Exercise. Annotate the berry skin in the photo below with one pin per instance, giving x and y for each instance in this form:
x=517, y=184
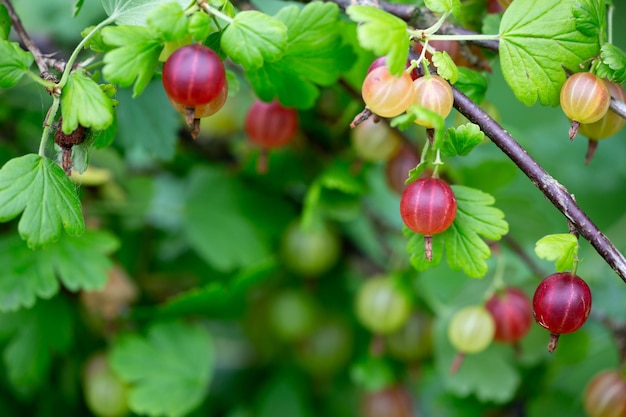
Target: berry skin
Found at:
x=561, y=304
x=310, y=252
x=105, y=395
x=270, y=125
x=512, y=314
x=398, y=167
x=193, y=75
x=375, y=141
x=471, y=330
x=381, y=307
x=205, y=110
x=392, y=401
x=605, y=395
x=434, y=94
x=584, y=99
x=386, y=95
x=428, y=207
x=381, y=61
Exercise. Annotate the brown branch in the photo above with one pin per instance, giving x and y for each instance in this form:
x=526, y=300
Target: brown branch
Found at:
x=28, y=42
x=550, y=187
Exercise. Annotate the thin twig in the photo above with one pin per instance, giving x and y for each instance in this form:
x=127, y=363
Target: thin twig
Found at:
x=28, y=42
x=550, y=187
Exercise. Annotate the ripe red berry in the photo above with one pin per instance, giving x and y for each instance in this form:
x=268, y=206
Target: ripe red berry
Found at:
x=428, y=207
x=605, y=395
x=561, y=304
x=270, y=125
x=512, y=313
x=584, y=99
x=193, y=75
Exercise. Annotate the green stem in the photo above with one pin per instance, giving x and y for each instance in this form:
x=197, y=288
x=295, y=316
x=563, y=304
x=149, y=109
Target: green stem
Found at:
x=609, y=13
x=47, y=84
x=52, y=111
x=475, y=37
x=213, y=11
x=498, y=278
x=79, y=48
x=434, y=28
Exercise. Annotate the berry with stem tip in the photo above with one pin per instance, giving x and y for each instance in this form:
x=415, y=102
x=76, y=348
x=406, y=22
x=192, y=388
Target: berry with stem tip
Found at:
x=382, y=61
x=605, y=395
x=471, y=330
x=561, y=304
x=584, y=99
x=610, y=124
x=428, y=207
x=512, y=314
x=385, y=94
x=194, y=114
x=193, y=75
x=270, y=125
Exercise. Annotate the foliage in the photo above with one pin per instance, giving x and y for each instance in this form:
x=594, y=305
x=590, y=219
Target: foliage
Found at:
x=167, y=254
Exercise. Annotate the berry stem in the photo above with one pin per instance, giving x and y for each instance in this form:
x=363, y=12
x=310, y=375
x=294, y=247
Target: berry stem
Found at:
x=591, y=150
x=213, y=11
x=428, y=247
x=553, y=343
x=456, y=363
x=573, y=130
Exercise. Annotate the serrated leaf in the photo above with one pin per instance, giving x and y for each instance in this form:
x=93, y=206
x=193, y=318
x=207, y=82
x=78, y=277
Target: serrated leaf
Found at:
x=415, y=173
x=383, y=34
x=134, y=12
x=446, y=68
x=168, y=371
x=169, y=21
x=475, y=217
x=14, y=62
x=461, y=140
x=427, y=117
x=472, y=83
x=84, y=103
x=613, y=64
x=101, y=139
x=135, y=57
x=590, y=17
x=216, y=225
x=79, y=263
x=444, y=6
x=272, y=81
x=39, y=188
x=5, y=23
x=36, y=335
x=538, y=39
x=562, y=249
x=254, y=38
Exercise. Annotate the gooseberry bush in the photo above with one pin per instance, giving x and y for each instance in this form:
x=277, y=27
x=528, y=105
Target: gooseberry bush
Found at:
x=335, y=208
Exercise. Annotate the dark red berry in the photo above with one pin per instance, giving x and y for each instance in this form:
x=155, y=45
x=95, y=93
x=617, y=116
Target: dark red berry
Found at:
x=561, y=304
x=193, y=75
x=270, y=125
x=512, y=313
x=398, y=167
x=428, y=207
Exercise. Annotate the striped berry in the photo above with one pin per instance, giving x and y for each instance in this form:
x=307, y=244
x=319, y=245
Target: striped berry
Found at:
x=512, y=313
x=428, y=207
x=584, y=99
x=193, y=75
x=561, y=304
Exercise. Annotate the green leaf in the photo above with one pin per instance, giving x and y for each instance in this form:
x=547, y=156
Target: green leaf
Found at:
x=415, y=173
x=79, y=263
x=14, y=62
x=590, y=17
x=383, y=34
x=216, y=225
x=101, y=139
x=430, y=117
x=464, y=247
x=613, y=64
x=36, y=336
x=254, y=38
x=562, y=249
x=200, y=26
x=5, y=23
x=134, y=12
x=538, y=39
x=142, y=134
x=272, y=80
x=78, y=6
x=462, y=140
x=372, y=373
x=446, y=68
x=169, y=21
x=472, y=83
x=168, y=371
x=39, y=188
x=444, y=6
x=84, y=103
x=135, y=57
x=284, y=396
x=475, y=217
